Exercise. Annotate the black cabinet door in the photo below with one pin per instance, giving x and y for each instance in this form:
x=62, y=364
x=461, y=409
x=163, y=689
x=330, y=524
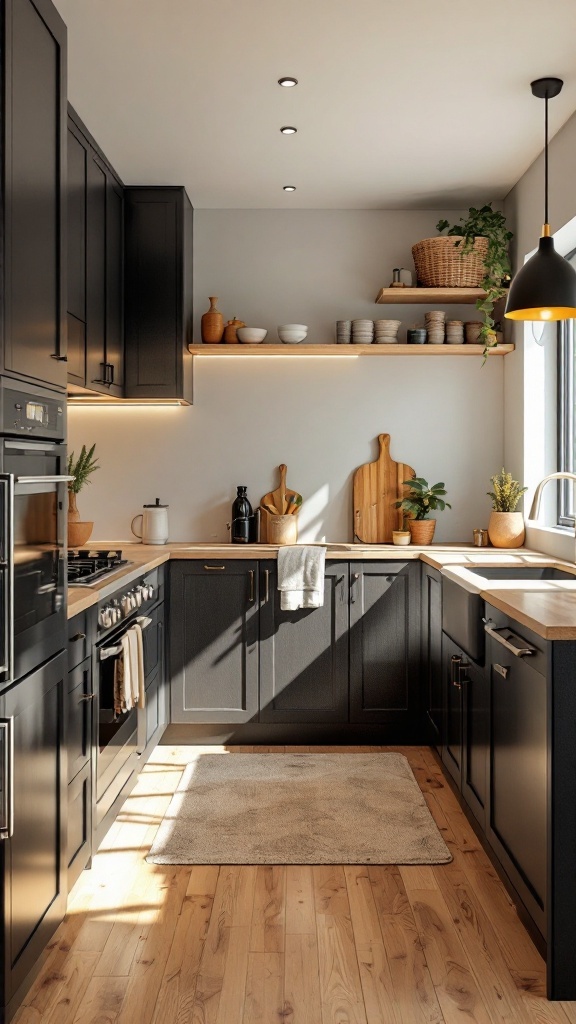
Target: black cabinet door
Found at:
x=432, y=672
x=475, y=736
x=95, y=266
x=158, y=298
x=452, y=750
x=304, y=654
x=34, y=142
x=34, y=857
x=517, y=826
x=214, y=641
x=79, y=846
x=78, y=154
x=385, y=645
x=79, y=700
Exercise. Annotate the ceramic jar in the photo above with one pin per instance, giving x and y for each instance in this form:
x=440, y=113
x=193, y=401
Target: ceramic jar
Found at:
x=78, y=532
x=506, y=529
x=230, y=336
x=212, y=323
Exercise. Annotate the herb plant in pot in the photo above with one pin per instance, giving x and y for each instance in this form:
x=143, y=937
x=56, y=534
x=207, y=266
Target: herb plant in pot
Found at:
x=80, y=469
x=421, y=500
x=506, y=525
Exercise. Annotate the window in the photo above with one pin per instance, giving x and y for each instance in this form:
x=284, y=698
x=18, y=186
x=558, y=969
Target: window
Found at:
x=566, y=418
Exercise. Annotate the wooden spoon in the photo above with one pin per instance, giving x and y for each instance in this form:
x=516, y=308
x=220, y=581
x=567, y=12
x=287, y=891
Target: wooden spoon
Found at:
x=279, y=495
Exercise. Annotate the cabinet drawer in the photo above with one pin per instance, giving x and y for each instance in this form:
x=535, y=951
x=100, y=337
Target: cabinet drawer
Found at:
x=79, y=643
x=79, y=716
x=79, y=846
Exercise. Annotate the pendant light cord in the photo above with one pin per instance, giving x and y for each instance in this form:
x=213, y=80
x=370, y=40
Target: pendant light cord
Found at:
x=546, y=160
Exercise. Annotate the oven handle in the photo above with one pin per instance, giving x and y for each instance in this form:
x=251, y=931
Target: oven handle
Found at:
x=111, y=652
x=7, y=820
x=44, y=479
x=7, y=487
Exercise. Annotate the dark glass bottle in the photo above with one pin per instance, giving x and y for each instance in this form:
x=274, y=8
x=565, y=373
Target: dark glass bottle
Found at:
x=241, y=518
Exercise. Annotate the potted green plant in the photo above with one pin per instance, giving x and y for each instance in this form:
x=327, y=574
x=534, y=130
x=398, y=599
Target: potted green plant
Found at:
x=421, y=500
x=490, y=224
x=506, y=525
x=80, y=469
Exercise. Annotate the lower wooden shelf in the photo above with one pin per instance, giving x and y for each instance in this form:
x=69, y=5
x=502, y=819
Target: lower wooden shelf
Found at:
x=223, y=351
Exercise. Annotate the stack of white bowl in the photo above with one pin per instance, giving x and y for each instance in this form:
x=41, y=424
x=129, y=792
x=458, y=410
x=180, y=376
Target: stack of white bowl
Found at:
x=435, y=320
x=343, y=332
x=362, y=332
x=292, y=334
x=455, y=332
x=386, y=332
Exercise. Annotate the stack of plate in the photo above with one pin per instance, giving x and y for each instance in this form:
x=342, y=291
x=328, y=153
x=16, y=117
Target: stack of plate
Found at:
x=362, y=332
x=343, y=332
x=455, y=332
x=435, y=326
x=386, y=332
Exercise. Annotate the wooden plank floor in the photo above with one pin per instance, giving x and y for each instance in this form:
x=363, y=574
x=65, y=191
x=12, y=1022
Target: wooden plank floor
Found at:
x=150, y=944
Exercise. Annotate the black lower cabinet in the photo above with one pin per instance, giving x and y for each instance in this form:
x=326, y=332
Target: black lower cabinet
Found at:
x=385, y=646
x=34, y=857
x=466, y=726
x=79, y=712
x=432, y=673
x=517, y=828
x=153, y=716
x=214, y=641
x=304, y=653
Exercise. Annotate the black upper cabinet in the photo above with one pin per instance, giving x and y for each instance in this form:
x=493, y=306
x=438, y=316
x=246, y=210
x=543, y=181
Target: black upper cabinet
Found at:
x=158, y=296
x=95, y=266
x=34, y=161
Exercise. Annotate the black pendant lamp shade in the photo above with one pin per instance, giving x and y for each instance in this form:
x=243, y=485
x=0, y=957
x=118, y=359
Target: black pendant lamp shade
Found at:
x=545, y=288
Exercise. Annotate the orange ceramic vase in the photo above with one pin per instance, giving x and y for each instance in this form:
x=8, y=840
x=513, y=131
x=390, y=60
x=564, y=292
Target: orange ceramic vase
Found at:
x=212, y=323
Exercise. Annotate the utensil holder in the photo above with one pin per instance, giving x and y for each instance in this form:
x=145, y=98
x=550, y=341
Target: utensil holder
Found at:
x=283, y=529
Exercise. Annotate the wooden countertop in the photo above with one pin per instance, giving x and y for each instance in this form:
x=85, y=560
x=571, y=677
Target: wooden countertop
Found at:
x=545, y=607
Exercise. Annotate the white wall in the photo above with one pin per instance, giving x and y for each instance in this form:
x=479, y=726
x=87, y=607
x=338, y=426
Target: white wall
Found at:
x=321, y=416
x=530, y=372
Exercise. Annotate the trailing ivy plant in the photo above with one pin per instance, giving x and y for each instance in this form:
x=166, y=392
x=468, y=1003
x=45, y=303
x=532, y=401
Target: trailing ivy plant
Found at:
x=491, y=224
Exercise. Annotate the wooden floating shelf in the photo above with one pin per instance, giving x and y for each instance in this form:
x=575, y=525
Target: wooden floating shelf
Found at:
x=442, y=296
x=223, y=351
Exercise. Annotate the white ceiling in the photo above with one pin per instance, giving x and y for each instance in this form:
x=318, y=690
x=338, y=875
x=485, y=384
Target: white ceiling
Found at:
x=400, y=103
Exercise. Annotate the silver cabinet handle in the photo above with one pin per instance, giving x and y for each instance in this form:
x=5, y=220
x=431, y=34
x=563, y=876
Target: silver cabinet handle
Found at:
x=251, y=575
x=214, y=567
x=502, y=670
x=77, y=636
x=266, y=585
x=87, y=696
x=355, y=578
x=7, y=540
x=517, y=651
x=44, y=479
x=7, y=820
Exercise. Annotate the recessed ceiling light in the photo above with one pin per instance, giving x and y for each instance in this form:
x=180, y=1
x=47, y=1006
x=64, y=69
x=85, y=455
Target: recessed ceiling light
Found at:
x=287, y=82
x=288, y=129
x=289, y=188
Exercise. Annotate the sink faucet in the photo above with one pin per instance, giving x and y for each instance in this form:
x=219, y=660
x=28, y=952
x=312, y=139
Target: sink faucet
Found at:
x=535, y=509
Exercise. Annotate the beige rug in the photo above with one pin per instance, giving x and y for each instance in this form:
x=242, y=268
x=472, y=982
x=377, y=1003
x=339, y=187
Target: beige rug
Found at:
x=298, y=809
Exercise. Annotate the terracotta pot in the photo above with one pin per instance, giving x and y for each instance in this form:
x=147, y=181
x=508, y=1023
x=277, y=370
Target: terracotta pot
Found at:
x=422, y=530
x=212, y=323
x=506, y=529
x=78, y=534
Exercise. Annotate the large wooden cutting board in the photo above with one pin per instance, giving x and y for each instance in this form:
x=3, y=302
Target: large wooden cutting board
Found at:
x=376, y=486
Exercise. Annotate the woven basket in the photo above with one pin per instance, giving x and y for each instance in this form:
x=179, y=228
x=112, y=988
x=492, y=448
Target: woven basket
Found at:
x=440, y=263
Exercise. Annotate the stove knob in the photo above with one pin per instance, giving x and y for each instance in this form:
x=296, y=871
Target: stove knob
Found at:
x=125, y=603
x=150, y=591
x=105, y=617
x=116, y=612
x=138, y=596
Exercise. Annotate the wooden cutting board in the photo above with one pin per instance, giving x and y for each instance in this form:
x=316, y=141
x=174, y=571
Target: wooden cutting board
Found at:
x=376, y=486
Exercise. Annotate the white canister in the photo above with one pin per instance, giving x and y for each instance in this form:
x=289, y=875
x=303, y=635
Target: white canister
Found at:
x=154, y=524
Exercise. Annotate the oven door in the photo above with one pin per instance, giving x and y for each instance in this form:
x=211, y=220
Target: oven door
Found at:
x=33, y=489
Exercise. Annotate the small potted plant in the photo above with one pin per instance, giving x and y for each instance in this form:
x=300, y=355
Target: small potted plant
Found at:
x=421, y=500
x=80, y=469
x=506, y=525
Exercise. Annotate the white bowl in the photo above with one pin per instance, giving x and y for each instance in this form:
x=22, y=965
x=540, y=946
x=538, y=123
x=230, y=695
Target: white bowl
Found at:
x=292, y=334
x=251, y=335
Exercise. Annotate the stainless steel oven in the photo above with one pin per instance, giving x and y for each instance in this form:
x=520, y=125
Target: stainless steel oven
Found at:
x=33, y=501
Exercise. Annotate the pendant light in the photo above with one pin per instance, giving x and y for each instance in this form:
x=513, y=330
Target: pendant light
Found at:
x=545, y=288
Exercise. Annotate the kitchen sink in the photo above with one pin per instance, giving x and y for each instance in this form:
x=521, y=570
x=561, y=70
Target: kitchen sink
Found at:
x=522, y=572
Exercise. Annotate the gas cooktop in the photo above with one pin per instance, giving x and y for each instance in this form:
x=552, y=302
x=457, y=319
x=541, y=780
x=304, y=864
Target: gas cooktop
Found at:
x=87, y=566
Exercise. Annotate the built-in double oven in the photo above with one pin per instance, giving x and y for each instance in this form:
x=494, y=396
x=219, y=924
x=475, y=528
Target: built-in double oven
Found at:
x=33, y=500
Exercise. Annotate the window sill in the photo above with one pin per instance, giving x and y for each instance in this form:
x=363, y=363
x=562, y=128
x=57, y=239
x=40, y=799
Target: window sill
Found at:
x=558, y=541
